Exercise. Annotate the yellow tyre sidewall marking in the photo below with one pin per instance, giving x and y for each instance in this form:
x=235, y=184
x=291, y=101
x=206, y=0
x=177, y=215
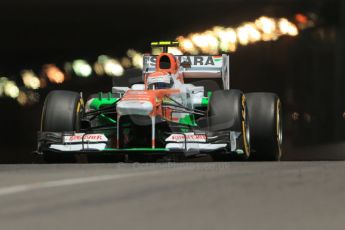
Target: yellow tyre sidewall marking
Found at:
x=278, y=127
x=244, y=128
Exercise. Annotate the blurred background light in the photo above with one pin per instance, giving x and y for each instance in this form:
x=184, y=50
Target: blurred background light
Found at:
x=99, y=65
x=187, y=45
x=22, y=98
x=126, y=62
x=287, y=27
x=301, y=18
x=98, y=68
x=305, y=21
x=30, y=79
x=266, y=25
x=136, y=57
x=253, y=32
x=243, y=35
x=82, y=68
x=54, y=74
x=11, y=89
x=3, y=81
x=109, y=66
x=226, y=39
x=112, y=67
x=27, y=97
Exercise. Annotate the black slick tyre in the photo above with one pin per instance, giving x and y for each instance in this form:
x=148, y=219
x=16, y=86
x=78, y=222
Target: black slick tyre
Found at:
x=228, y=112
x=61, y=111
x=265, y=121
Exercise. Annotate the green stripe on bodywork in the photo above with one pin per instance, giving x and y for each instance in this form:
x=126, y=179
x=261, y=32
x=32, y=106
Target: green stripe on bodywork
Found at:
x=188, y=120
x=107, y=118
x=97, y=103
x=204, y=101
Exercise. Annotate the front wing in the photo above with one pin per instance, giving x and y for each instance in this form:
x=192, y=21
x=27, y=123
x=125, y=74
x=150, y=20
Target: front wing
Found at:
x=185, y=144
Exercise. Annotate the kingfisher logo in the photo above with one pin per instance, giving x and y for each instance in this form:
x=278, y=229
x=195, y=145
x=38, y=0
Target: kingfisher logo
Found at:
x=188, y=137
x=81, y=137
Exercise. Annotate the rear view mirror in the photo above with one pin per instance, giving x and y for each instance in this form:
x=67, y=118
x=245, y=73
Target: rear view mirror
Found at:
x=119, y=90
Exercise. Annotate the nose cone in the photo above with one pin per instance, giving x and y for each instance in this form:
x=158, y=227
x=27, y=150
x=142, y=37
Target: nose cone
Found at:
x=134, y=107
x=136, y=102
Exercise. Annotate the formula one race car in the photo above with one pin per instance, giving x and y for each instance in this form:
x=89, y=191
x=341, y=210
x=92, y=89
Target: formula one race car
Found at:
x=170, y=115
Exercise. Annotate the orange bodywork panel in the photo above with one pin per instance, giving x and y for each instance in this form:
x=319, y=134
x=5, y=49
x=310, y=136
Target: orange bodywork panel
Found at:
x=155, y=97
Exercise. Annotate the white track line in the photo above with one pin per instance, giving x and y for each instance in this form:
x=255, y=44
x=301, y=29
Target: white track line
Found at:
x=68, y=182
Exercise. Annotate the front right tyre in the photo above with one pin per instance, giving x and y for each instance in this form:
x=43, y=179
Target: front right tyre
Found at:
x=265, y=121
x=61, y=113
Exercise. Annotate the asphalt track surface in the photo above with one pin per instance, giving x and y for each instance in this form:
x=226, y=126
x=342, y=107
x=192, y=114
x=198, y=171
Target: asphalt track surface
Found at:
x=194, y=195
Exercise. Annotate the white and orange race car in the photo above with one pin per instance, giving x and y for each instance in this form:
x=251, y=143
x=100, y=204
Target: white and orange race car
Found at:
x=183, y=108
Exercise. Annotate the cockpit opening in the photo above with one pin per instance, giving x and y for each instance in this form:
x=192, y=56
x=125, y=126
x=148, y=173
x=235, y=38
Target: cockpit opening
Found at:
x=164, y=62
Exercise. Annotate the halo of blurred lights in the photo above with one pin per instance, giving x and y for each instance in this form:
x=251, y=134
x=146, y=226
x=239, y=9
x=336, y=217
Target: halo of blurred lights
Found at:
x=253, y=32
x=288, y=28
x=137, y=58
x=27, y=98
x=218, y=39
x=112, y=67
x=22, y=98
x=11, y=89
x=187, y=45
x=98, y=68
x=82, y=68
x=226, y=39
x=207, y=42
x=54, y=74
x=109, y=66
x=301, y=18
x=266, y=25
x=3, y=81
x=126, y=62
x=30, y=79
x=242, y=35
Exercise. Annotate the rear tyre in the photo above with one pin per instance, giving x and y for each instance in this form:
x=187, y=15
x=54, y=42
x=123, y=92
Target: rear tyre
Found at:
x=228, y=111
x=266, y=126
x=61, y=113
